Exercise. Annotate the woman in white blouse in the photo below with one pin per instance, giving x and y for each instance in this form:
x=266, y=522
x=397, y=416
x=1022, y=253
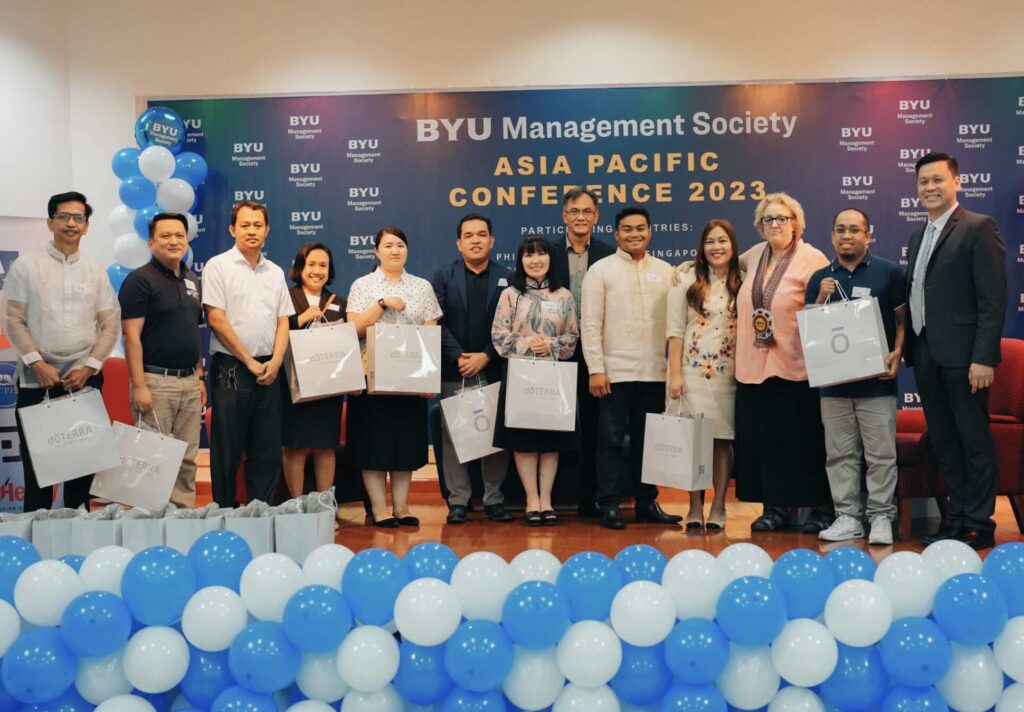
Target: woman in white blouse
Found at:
x=386, y=433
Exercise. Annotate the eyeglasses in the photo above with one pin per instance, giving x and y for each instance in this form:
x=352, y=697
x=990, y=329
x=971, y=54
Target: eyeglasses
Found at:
x=69, y=217
x=576, y=212
x=851, y=231
x=780, y=220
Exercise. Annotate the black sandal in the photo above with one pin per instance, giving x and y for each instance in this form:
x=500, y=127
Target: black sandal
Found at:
x=549, y=517
x=534, y=518
x=769, y=522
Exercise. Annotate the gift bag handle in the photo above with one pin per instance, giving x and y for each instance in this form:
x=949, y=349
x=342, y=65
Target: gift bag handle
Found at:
x=479, y=384
x=138, y=421
x=842, y=293
x=679, y=409
x=70, y=393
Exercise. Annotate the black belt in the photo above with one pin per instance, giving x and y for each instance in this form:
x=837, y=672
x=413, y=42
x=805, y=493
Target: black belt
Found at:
x=177, y=372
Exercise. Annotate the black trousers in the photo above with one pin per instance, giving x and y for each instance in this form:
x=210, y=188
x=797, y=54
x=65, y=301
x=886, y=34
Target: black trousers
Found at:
x=624, y=412
x=246, y=419
x=76, y=492
x=958, y=428
x=588, y=408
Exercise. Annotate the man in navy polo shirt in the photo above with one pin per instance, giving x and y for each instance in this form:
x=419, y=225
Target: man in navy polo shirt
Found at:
x=860, y=417
x=161, y=310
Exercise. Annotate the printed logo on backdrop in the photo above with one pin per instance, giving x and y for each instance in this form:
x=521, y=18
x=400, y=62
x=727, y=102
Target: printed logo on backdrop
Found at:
x=903, y=256
x=364, y=199
x=258, y=195
x=304, y=127
x=976, y=185
x=914, y=112
x=193, y=131
x=911, y=399
x=1020, y=155
x=7, y=258
x=1020, y=106
x=248, y=154
x=974, y=136
x=305, y=175
x=306, y=224
x=1020, y=305
x=1020, y=204
x=909, y=158
x=856, y=188
x=856, y=139
x=911, y=210
x=8, y=391
x=363, y=150
x=361, y=247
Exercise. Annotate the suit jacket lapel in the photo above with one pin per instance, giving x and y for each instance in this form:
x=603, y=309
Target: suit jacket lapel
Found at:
x=459, y=280
x=947, y=228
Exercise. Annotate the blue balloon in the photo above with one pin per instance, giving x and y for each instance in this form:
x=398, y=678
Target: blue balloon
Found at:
x=190, y=167
x=683, y=697
x=859, y=681
x=316, y=618
x=430, y=560
x=696, y=651
x=70, y=701
x=901, y=698
x=38, y=667
x=422, y=678
x=189, y=257
x=970, y=609
x=590, y=581
x=751, y=611
x=916, y=652
x=219, y=558
x=7, y=702
x=535, y=615
x=643, y=677
x=851, y=563
x=239, y=699
x=1004, y=566
x=117, y=274
x=160, y=126
x=142, y=219
x=126, y=163
x=207, y=676
x=95, y=624
x=805, y=580
x=641, y=562
x=74, y=561
x=160, y=700
x=371, y=584
x=16, y=555
x=263, y=659
x=137, y=192
x=478, y=656
x=459, y=700
x=157, y=584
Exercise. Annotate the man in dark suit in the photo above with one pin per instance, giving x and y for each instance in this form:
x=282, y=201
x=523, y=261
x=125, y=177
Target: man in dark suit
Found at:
x=570, y=259
x=956, y=293
x=468, y=291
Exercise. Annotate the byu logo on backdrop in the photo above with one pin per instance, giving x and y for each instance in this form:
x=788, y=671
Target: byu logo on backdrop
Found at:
x=8, y=393
x=257, y=195
x=304, y=120
x=856, y=132
x=915, y=104
x=7, y=258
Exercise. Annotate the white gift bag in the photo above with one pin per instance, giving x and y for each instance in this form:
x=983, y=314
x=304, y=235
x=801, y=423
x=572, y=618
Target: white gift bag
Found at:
x=94, y=530
x=139, y=534
x=183, y=527
x=51, y=532
x=69, y=437
x=678, y=451
x=255, y=523
x=149, y=466
x=324, y=361
x=843, y=341
x=17, y=524
x=403, y=359
x=469, y=418
x=540, y=394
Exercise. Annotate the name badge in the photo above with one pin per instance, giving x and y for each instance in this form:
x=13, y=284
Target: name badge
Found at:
x=653, y=278
x=190, y=285
x=502, y=282
x=333, y=307
x=859, y=292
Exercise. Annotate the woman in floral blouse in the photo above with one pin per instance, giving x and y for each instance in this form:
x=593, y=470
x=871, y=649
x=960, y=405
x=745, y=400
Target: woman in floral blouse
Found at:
x=702, y=354
x=535, y=317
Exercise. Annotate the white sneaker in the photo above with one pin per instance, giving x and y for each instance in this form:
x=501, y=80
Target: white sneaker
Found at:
x=843, y=528
x=881, y=530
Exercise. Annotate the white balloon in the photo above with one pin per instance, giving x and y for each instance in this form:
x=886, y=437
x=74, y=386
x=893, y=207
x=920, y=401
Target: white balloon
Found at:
x=325, y=565
x=482, y=581
x=1012, y=699
x=44, y=590
x=268, y=581
x=368, y=658
x=103, y=568
x=858, y=613
x=694, y=578
x=156, y=659
x=951, y=557
x=589, y=654
x=536, y=565
x=805, y=653
x=99, y=679
x=1009, y=648
x=910, y=582
x=385, y=700
x=749, y=680
x=796, y=699
x=310, y=706
x=10, y=626
x=121, y=219
x=427, y=611
x=175, y=195
x=745, y=559
x=643, y=613
x=318, y=677
x=535, y=680
x=586, y=699
x=213, y=617
x=131, y=250
x=156, y=163
x=126, y=703
x=193, y=232
x=974, y=681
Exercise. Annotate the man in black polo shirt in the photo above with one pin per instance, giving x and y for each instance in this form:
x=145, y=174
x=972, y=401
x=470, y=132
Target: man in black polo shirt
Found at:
x=161, y=310
x=860, y=417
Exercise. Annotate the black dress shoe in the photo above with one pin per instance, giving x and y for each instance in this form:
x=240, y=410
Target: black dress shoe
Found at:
x=408, y=521
x=456, y=514
x=950, y=531
x=588, y=509
x=651, y=513
x=389, y=523
x=611, y=519
x=497, y=513
x=977, y=539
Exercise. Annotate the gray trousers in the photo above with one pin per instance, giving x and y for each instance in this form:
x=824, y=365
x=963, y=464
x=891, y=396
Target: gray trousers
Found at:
x=456, y=474
x=856, y=428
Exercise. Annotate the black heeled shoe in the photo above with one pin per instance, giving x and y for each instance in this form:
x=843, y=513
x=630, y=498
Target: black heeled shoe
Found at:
x=389, y=523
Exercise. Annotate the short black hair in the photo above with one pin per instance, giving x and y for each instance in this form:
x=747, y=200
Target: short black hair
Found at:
x=935, y=157
x=299, y=264
x=167, y=216
x=389, y=230
x=531, y=244
x=630, y=210
x=472, y=216
x=579, y=191
x=72, y=196
x=867, y=220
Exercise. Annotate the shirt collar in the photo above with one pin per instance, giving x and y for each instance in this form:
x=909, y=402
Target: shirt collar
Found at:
x=570, y=248
x=381, y=277
x=866, y=262
x=162, y=268
x=622, y=254
x=481, y=273
x=940, y=222
x=60, y=256
x=238, y=256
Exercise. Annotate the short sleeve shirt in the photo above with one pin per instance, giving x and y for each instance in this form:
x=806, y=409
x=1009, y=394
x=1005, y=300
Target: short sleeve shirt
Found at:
x=172, y=309
x=420, y=301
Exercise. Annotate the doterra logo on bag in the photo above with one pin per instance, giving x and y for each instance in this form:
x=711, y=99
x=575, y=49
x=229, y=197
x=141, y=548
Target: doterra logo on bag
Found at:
x=399, y=355
x=540, y=392
x=71, y=436
x=140, y=466
x=327, y=356
x=667, y=449
x=480, y=420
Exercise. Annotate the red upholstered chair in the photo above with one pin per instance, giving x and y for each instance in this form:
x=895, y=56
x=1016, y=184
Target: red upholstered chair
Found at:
x=115, y=390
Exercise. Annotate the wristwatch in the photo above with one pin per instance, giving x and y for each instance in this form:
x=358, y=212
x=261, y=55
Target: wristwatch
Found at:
x=381, y=304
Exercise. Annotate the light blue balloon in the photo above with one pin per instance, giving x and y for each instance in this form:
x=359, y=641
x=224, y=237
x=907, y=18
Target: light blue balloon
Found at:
x=239, y=699
x=643, y=677
x=70, y=701
x=207, y=676
x=970, y=609
x=641, y=562
x=535, y=615
x=73, y=560
x=16, y=555
x=190, y=167
x=126, y=162
x=142, y=219
x=137, y=192
x=751, y=611
x=805, y=580
x=696, y=651
x=160, y=126
x=915, y=651
x=95, y=624
x=478, y=656
x=1004, y=566
x=371, y=584
x=117, y=274
x=859, y=681
x=849, y=562
x=263, y=659
x=38, y=666
x=460, y=700
x=683, y=697
x=590, y=581
x=157, y=584
x=421, y=678
x=219, y=558
x=914, y=699
x=316, y=618
x=430, y=560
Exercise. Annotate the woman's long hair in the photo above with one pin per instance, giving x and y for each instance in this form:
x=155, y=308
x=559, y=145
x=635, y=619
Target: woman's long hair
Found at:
x=532, y=244
x=698, y=291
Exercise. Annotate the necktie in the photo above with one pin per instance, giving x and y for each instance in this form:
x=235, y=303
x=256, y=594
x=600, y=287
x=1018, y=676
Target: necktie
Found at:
x=920, y=269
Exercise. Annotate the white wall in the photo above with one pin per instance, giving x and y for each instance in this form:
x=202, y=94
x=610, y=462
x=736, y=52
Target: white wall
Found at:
x=122, y=50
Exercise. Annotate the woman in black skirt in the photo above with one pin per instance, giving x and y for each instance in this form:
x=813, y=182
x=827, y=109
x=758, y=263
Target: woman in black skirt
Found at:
x=386, y=433
x=535, y=317
x=313, y=427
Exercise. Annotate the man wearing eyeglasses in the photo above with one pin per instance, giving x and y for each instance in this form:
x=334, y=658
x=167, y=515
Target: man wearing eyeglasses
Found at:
x=570, y=260
x=860, y=417
x=64, y=320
